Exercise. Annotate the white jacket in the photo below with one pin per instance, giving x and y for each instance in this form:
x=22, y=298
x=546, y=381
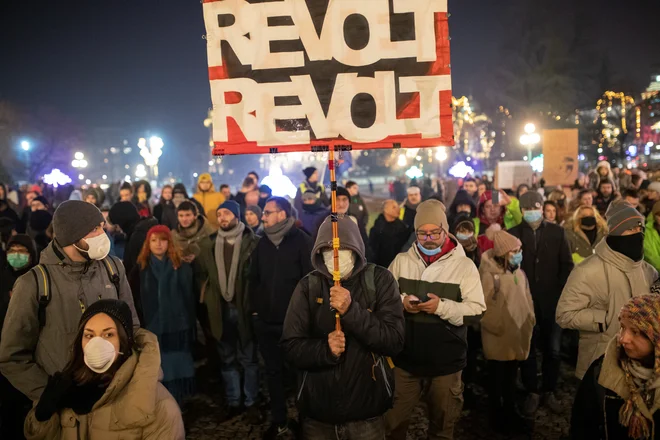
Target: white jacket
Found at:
x=454, y=278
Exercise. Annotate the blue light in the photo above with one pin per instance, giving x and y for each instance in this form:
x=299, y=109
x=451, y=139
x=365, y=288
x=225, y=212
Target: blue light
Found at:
x=632, y=150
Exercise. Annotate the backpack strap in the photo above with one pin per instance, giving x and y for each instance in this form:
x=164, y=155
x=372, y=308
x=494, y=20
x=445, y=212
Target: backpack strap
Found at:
x=314, y=279
x=113, y=272
x=369, y=275
x=42, y=278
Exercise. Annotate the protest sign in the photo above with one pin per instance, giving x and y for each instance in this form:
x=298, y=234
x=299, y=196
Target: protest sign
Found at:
x=560, y=156
x=292, y=75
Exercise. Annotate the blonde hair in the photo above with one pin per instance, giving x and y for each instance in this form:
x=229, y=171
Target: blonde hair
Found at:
x=601, y=224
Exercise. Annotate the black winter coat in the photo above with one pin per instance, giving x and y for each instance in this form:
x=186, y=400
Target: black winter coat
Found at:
x=386, y=240
x=135, y=240
x=275, y=273
x=547, y=262
x=595, y=413
x=340, y=390
x=166, y=215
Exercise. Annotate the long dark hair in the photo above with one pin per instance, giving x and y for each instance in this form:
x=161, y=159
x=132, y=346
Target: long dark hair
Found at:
x=162, y=200
x=80, y=372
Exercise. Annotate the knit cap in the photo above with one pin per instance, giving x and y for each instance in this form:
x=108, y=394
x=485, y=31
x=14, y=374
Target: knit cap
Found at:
x=654, y=186
x=431, y=212
x=232, y=206
x=116, y=309
x=309, y=171
x=531, y=200
x=256, y=210
x=309, y=195
x=504, y=242
x=73, y=220
x=44, y=201
x=341, y=191
x=621, y=217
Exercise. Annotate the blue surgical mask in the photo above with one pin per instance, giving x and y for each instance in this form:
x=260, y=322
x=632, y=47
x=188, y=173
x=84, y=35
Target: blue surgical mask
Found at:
x=533, y=216
x=429, y=252
x=463, y=237
x=516, y=259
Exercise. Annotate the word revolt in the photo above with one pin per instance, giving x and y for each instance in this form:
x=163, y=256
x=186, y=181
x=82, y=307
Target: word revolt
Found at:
x=252, y=29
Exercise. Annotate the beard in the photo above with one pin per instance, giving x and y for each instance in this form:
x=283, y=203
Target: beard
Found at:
x=229, y=226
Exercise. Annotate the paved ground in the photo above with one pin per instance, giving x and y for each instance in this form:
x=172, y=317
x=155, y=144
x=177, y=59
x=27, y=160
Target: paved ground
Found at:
x=205, y=418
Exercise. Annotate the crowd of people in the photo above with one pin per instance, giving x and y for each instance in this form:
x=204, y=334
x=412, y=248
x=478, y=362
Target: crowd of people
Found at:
x=106, y=294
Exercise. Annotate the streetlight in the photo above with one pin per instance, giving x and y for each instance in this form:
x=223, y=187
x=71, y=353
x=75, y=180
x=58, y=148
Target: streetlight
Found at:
x=151, y=151
x=530, y=139
x=79, y=160
x=25, y=145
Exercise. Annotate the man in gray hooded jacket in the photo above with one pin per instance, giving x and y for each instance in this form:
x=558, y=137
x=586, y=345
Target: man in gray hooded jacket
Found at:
x=347, y=377
x=32, y=349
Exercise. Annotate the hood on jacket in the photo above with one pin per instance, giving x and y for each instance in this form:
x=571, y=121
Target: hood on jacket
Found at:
x=462, y=198
x=206, y=177
x=27, y=242
x=135, y=383
x=488, y=263
x=349, y=238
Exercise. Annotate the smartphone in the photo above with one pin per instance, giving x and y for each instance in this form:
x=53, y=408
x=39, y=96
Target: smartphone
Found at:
x=414, y=302
x=496, y=197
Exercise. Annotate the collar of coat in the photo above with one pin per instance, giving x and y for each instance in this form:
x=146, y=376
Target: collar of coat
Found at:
x=621, y=262
x=613, y=378
x=132, y=392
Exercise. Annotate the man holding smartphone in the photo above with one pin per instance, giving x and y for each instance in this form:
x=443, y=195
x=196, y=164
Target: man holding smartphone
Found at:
x=441, y=292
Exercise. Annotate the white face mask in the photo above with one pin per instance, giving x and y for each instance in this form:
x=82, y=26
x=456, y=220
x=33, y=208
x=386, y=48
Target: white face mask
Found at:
x=346, y=262
x=99, y=247
x=100, y=354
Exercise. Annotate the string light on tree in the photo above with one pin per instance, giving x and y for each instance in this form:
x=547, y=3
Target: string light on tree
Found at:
x=151, y=151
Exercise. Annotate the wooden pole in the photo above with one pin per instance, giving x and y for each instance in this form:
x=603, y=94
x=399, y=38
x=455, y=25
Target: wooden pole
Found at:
x=336, y=276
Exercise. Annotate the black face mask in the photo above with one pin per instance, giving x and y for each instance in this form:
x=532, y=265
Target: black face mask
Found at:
x=588, y=222
x=632, y=246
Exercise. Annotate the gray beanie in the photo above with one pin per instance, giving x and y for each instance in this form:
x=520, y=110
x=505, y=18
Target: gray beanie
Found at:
x=531, y=200
x=256, y=210
x=621, y=217
x=73, y=220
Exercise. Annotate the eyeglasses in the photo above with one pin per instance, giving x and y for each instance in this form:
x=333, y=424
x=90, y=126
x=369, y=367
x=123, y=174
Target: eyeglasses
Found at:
x=433, y=235
x=268, y=213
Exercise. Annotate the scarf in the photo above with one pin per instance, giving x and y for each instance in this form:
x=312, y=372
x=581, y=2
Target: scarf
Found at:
x=227, y=286
x=470, y=244
x=411, y=206
x=591, y=234
x=277, y=232
x=634, y=414
x=190, y=231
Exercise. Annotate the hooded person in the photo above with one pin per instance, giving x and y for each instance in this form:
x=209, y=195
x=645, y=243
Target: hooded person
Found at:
x=38, y=226
x=388, y=235
x=111, y=380
x=600, y=285
x=78, y=272
x=350, y=368
x=462, y=203
x=91, y=196
x=311, y=183
x=126, y=216
x=209, y=198
x=606, y=195
x=603, y=172
x=441, y=294
x=506, y=327
x=618, y=397
x=464, y=231
x=224, y=262
x=313, y=213
x=165, y=211
x=180, y=194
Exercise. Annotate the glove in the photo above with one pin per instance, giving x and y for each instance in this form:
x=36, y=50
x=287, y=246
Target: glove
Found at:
x=53, y=396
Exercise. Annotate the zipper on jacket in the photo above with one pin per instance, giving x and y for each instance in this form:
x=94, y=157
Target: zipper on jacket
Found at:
x=302, y=385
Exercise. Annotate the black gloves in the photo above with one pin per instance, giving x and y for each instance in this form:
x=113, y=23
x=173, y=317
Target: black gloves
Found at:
x=53, y=396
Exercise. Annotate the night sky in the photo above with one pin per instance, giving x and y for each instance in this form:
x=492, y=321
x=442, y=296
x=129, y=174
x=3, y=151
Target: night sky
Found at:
x=142, y=63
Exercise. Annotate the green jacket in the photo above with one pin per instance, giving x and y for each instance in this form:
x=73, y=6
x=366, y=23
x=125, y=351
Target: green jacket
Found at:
x=652, y=243
x=213, y=296
x=512, y=217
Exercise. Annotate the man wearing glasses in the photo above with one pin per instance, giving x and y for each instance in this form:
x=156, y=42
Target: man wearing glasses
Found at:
x=441, y=292
x=281, y=259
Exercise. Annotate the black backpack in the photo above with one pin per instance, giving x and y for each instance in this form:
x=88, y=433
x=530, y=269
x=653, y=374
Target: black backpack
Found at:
x=44, y=283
